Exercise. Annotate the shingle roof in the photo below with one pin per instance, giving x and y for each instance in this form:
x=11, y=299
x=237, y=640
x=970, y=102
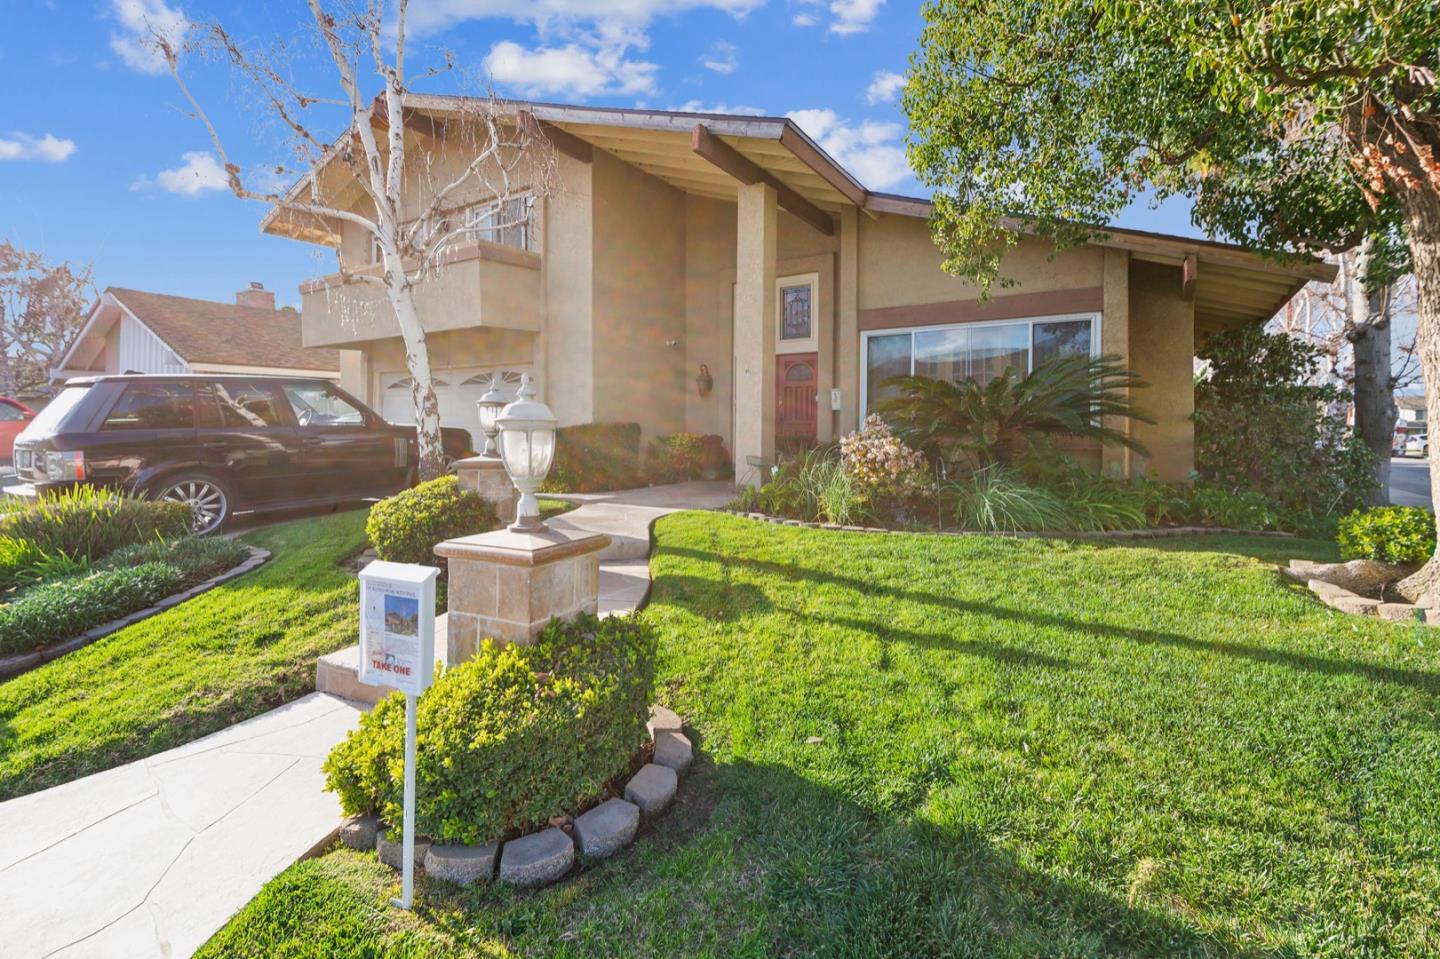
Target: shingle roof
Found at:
x=202, y=331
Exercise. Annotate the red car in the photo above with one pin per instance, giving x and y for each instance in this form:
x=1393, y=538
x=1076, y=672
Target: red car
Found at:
x=13, y=417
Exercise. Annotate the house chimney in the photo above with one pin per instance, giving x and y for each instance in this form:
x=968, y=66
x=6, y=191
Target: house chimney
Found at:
x=257, y=297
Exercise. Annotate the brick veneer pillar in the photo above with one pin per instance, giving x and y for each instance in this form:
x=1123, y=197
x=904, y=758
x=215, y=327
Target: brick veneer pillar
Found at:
x=509, y=585
x=487, y=476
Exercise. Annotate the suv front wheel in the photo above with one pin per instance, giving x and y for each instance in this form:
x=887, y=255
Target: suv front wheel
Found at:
x=207, y=496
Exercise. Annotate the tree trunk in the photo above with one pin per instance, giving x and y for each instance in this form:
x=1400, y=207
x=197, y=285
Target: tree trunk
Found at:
x=1421, y=208
x=422, y=389
x=1369, y=335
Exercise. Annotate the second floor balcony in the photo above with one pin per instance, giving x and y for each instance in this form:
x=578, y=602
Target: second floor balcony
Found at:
x=475, y=284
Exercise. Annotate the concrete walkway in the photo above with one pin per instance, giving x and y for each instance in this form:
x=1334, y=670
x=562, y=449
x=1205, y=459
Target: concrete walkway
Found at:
x=626, y=517
x=150, y=859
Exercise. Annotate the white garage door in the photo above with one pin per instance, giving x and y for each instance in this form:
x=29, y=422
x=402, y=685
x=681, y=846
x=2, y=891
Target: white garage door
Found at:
x=457, y=392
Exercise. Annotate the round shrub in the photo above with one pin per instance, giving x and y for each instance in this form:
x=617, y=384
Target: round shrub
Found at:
x=510, y=738
x=405, y=527
x=1391, y=534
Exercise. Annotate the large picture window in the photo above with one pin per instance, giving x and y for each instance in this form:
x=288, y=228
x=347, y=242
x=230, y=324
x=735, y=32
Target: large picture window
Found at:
x=970, y=351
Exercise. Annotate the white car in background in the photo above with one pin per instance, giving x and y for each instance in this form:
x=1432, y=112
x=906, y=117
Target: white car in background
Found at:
x=1418, y=445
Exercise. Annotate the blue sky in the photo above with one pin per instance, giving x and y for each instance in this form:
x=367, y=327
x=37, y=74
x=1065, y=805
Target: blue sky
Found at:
x=100, y=164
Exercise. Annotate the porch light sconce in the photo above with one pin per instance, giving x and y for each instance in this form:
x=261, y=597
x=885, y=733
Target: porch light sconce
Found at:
x=704, y=382
x=490, y=406
x=527, y=448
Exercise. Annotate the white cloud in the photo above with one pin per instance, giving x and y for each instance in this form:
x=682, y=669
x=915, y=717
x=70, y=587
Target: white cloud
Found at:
x=871, y=150
x=697, y=106
x=884, y=87
x=436, y=15
x=200, y=173
x=140, y=21
x=569, y=70
x=720, y=57
x=47, y=149
x=804, y=20
x=853, y=16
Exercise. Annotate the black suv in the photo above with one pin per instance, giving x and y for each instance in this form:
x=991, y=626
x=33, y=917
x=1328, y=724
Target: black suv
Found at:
x=222, y=444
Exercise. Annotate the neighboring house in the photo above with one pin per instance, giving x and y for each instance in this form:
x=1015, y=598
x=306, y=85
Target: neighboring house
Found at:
x=1411, y=409
x=130, y=331
x=678, y=243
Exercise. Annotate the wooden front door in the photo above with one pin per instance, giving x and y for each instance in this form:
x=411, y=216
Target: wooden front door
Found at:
x=795, y=400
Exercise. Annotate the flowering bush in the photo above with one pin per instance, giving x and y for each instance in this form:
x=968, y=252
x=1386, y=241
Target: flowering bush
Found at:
x=879, y=459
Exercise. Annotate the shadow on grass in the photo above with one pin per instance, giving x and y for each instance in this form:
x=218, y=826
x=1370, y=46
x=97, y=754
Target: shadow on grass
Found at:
x=842, y=880
x=1428, y=682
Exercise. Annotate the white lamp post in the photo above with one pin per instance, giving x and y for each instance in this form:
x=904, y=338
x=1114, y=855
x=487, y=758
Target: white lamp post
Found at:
x=490, y=406
x=527, y=448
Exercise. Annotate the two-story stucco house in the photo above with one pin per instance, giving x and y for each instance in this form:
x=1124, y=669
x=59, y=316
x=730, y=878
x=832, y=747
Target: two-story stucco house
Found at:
x=676, y=249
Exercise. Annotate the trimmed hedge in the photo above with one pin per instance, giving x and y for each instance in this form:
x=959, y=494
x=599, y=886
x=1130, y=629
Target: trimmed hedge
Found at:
x=687, y=456
x=404, y=528
x=1391, y=534
x=127, y=581
x=510, y=738
x=89, y=523
x=596, y=457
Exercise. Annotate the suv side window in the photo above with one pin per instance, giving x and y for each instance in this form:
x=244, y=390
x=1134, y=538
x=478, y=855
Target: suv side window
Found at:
x=318, y=404
x=152, y=406
x=244, y=404
x=10, y=413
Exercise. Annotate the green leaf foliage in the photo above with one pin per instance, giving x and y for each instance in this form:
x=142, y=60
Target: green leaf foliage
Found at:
x=1052, y=117
x=511, y=737
x=404, y=528
x=1391, y=534
x=88, y=523
x=128, y=580
x=1262, y=427
x=1015, y=414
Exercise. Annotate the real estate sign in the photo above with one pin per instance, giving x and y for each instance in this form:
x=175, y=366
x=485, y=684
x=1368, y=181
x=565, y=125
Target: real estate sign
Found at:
x=397, y=626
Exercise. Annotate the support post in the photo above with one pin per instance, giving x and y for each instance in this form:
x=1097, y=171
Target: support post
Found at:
x=756, y=232
x=407, y=859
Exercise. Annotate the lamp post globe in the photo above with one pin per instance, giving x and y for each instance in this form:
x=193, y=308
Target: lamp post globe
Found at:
x=527, y=448
x=490, y=406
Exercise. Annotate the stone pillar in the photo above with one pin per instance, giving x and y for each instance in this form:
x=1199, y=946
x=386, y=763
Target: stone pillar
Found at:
x=486, y=476
x=509, y=585
x=756, y=231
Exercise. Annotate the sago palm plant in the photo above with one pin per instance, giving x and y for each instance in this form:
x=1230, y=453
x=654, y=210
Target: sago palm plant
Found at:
x=1014, y=414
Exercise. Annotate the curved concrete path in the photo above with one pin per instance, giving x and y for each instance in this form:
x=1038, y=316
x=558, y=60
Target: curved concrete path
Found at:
x=151, y=858
x=626, y=517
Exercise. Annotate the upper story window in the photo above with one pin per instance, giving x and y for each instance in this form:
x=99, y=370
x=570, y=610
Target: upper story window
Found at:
x=507, y=222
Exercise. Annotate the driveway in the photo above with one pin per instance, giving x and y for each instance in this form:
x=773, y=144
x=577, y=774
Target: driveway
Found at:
x=1410, y=481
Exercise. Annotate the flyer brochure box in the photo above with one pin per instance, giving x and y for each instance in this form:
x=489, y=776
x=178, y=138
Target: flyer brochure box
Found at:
x=397, y=625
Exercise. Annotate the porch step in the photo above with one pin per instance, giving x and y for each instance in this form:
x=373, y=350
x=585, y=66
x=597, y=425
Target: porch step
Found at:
x=338, y=673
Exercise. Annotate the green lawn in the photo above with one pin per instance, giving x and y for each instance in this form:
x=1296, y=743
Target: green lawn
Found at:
x=918, y=746
x=229, y=654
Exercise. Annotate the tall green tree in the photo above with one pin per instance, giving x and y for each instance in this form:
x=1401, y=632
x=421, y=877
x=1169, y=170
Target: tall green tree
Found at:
x=1294, y=126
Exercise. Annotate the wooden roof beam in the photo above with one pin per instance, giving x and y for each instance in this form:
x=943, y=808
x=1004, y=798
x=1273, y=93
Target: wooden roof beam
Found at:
x=732, y=161
x=1189, y=273
x=562, y=140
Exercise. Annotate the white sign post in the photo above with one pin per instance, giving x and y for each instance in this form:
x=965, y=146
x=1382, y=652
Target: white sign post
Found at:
x=397, y=649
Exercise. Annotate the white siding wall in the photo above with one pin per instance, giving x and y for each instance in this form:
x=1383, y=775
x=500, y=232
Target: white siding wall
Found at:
x=144, y=352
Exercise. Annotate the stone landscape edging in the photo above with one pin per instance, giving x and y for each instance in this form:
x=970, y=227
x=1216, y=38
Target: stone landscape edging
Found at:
x=12, y=666
x=1157, y=533
x=547, y=855
x=1347, y=601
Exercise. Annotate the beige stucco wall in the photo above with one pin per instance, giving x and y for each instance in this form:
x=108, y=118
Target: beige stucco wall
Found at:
x=709, y=332
x=901, y=266
x=638, y=328
x=568, y=269
x=1162, y=346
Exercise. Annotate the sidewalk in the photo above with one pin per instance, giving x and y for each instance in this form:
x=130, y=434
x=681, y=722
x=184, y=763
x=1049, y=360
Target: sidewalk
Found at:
x=151, y=858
